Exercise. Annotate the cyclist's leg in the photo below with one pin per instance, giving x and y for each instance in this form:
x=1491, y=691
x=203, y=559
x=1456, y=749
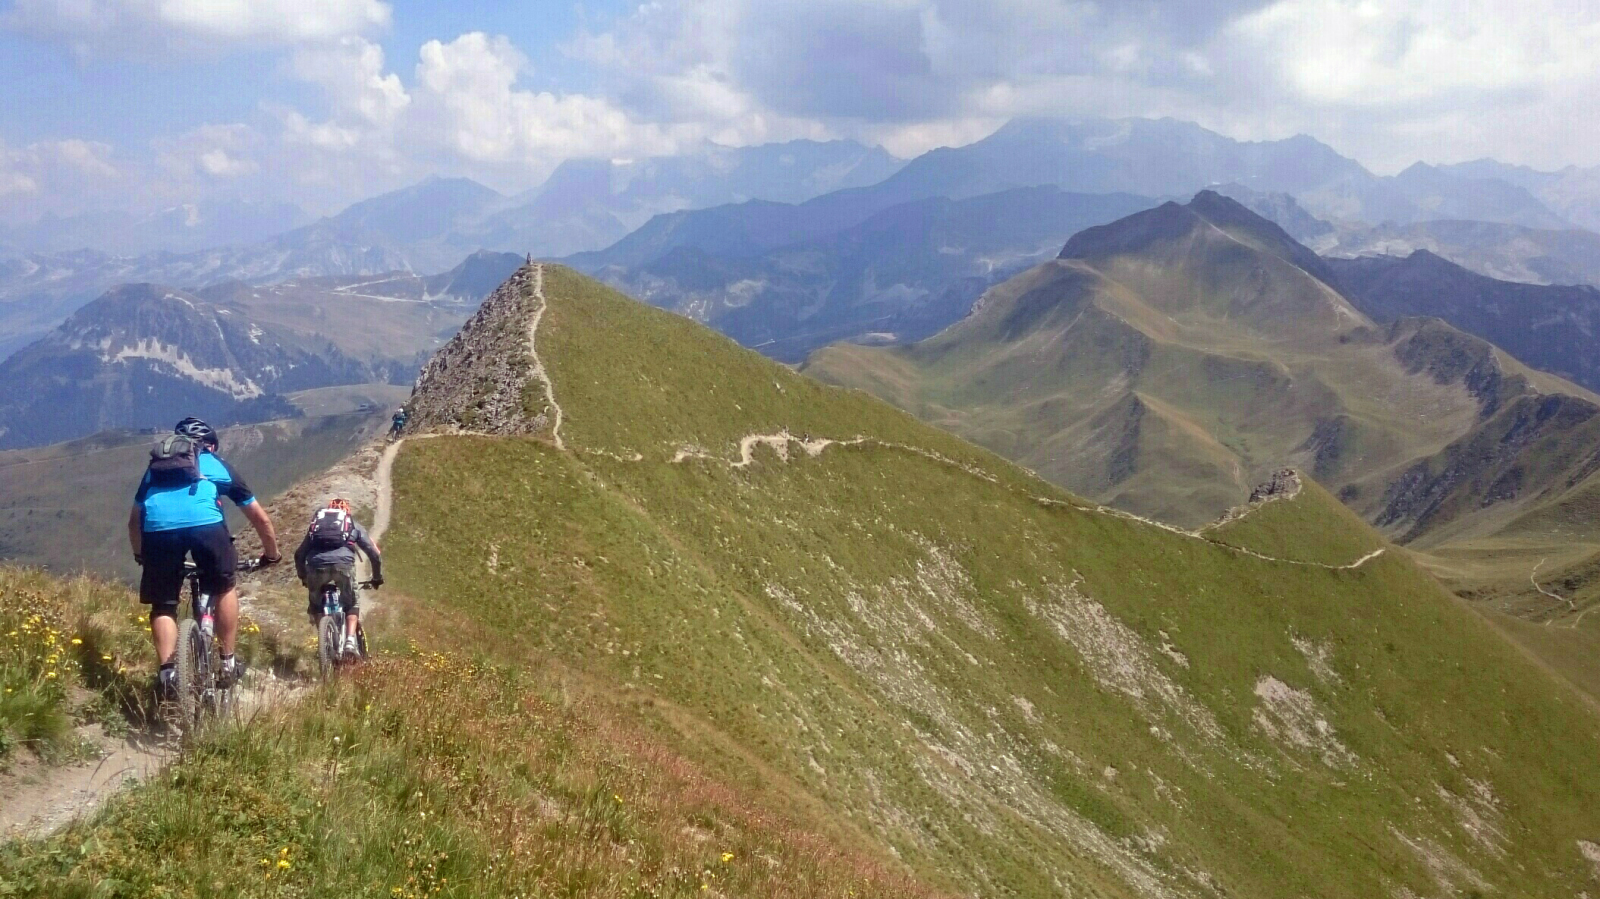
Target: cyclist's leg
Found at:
x=317, y=577
x=218, y=562
x=160, y=587
x=347, y=598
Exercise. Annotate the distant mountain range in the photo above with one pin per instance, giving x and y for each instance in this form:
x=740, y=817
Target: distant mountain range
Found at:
x=1552, y=328
x=1506, y=252
x=1165, y=362
x=427, y=227
x=901, y=274
x=145, y=353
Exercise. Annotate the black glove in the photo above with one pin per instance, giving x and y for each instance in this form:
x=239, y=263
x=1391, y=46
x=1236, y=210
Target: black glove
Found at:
x=264, y=561
x=377, y=581
x=138, y=559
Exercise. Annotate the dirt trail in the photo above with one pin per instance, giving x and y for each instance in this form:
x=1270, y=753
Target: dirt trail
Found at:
x=780, y=442
x=385, y=479
x=538, y=364
x=41, y=800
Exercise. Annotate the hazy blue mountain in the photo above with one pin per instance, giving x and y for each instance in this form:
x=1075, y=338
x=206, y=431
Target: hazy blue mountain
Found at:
x=1441, y=194
x=144, y=352
x=1572, y=192
x=587, y=204
x=1552, y=328
x=1280, y=209
x=902, y=274
x=1507, y=252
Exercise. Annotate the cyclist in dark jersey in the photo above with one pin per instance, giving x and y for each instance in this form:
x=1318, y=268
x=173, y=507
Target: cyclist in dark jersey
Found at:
x=172, y=521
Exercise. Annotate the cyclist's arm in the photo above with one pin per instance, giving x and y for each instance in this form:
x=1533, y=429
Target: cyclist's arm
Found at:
x=258, y=519
x=371, y=549
x=136, y=531
x=136, y=517
x=300, y=554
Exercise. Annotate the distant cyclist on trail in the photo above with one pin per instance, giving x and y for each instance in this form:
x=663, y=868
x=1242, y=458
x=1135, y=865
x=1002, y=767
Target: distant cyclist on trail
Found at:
x=327, y=555
x=177, y=512
x=399, y=422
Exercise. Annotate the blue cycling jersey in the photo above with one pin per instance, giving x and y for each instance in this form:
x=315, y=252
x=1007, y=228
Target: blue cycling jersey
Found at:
x=169, y=507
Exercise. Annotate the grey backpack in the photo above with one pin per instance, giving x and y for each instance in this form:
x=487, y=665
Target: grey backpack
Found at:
x=175, y=460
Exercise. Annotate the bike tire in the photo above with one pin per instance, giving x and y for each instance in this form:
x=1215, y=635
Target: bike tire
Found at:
x=361, y=641
x=193, y=668
x=330, y=644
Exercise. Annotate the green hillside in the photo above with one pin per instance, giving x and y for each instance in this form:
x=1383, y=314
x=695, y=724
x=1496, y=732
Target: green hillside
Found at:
x=909, y=645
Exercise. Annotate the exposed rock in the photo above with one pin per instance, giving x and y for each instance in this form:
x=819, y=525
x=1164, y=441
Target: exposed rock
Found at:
x=483, y=380
x=1284, y=484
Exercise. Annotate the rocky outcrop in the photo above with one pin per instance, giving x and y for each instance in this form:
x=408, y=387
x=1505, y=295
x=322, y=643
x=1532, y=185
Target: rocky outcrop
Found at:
x=1284, y=484
x=484, y=379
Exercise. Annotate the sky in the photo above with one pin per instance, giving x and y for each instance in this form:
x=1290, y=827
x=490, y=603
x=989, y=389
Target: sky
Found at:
x=144, y=104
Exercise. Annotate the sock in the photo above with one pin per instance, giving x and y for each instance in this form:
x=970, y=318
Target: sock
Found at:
x=227, y=658
x=169, y=666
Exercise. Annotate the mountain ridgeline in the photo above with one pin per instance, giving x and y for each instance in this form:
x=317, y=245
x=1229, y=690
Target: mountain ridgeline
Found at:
x=1167, y=361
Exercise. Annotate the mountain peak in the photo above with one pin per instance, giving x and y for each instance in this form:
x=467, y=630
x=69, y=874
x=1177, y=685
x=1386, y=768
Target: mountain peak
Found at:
x=1172, y=220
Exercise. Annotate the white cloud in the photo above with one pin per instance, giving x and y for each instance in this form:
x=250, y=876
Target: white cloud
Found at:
x=1366, y=53
x=212, y=151
x=467, y=100
x=152, y=27
x=55, y=174
x=351, y=74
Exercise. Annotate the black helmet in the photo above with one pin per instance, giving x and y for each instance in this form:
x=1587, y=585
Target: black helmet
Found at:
x=198, y=430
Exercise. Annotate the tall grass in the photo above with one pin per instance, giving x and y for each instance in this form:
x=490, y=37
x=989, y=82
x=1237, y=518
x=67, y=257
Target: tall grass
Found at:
x=77, y=650
x=430, y=776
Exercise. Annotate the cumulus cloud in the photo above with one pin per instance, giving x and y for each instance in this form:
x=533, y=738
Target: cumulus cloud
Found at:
x=134, y=27
x=67, y=172
x=210, y=151
x=468, y=101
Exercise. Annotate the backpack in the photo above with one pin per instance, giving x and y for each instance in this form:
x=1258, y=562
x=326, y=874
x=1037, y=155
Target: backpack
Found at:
x=175, y=460
x=331, y=529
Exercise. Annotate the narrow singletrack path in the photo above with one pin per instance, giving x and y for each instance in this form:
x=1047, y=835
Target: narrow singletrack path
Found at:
x=538, y=364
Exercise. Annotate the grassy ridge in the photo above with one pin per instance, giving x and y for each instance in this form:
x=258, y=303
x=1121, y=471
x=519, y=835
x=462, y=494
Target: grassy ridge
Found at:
x=1006, y=692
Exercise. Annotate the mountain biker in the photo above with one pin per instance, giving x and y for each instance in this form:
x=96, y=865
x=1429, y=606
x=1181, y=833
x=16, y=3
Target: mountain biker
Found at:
x=327, y=556
x=177, y=512
x=399, y=422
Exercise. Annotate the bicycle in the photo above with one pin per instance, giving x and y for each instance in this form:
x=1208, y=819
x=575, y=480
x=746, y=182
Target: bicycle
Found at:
x=330, y=630
x=201, y=691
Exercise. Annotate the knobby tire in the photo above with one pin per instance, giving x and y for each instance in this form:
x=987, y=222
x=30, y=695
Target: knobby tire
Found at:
x=193, y=672
x=330, y=643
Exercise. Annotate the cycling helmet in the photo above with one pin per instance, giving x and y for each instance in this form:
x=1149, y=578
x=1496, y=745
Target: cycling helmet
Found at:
x=198, y=430
x=339, y=503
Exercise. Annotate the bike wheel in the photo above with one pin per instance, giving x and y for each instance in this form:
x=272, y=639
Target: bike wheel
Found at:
x=361, y=640
x=330, y=643
x=194, y=673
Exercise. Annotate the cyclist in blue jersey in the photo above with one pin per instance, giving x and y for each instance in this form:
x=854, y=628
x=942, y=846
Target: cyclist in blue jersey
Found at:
x=177, y=513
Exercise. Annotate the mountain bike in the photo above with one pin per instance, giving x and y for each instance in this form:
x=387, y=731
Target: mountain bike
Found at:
x=330, y=630
x=202, y=692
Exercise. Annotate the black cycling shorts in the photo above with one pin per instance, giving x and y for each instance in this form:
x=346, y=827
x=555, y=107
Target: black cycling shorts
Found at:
x=161, y=585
